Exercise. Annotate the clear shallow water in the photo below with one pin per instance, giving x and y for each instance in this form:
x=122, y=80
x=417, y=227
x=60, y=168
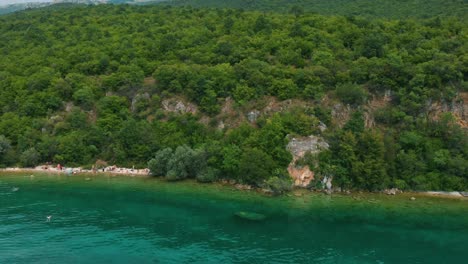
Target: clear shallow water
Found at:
x=134, y=220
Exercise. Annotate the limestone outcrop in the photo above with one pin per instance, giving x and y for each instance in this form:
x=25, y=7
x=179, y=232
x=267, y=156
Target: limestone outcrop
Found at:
x=298, y=147
x=179, y=106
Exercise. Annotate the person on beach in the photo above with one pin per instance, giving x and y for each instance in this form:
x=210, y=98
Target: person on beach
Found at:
x=59, y=167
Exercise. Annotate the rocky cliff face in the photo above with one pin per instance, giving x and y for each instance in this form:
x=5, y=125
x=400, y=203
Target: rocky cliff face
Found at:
x=298, y=147
x=457, y=107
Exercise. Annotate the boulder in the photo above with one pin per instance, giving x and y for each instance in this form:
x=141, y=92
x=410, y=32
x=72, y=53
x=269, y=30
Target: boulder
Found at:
x=251, y=216
x=243, y=186
x=253, y=115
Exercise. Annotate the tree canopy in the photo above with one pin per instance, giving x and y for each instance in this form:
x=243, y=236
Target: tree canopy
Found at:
x=81, y=83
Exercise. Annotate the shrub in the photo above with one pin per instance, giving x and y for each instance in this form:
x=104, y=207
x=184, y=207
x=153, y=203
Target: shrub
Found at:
x=182, y=163
x=279, y=185
x=208, y=175
x=352, y=94
x=158, y=165
x=30, y=158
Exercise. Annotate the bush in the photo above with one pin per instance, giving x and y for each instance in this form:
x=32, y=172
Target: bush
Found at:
x=173, y=175
x=352, y=94
x=279, y=185
x=158, y=165
x=208, y=175
x=5, y=144
x=401, y=184
x=255, y=166
x=182, y=163
x=30, y=158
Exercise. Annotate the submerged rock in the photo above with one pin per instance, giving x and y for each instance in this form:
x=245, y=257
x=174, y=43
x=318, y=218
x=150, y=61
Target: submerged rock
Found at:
x=251, y=216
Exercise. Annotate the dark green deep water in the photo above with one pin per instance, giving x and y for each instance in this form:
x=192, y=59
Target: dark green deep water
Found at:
x=135, y=220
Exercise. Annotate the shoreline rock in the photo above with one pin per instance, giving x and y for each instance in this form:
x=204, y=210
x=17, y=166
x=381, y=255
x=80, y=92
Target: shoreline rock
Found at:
x=392, y=191
x=441, y=193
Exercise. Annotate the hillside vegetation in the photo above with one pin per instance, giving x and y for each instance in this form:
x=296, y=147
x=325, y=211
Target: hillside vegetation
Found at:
x=401, y=9
x=92, y=82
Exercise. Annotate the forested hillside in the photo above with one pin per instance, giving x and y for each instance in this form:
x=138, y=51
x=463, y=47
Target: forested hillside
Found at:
x=93, y=82
x=369, y=8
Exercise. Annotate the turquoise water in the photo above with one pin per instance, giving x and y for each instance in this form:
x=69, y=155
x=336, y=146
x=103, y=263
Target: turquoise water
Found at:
x=135, y=220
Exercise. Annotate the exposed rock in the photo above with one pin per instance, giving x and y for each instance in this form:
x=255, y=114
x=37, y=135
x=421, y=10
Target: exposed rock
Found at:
x=412, y=199
x=464, y=194
x=302, y=176
x=243, y=186
x=68, y=106
x=253, y=115
x=392, y=191
x=454, y=194
x=179, y=106
x=388, y=96
x=56, y=118
x=267, y=191
x=313, y=144
x=298, y=147
x=149, y=81
x=369, y=120
x=322, y=127
x=228, y=105
x=221, y=125
x=341, y=113
x=457, y=107
x=327, y=183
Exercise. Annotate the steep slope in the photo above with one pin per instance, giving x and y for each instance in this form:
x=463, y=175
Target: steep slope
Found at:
x=121, y=83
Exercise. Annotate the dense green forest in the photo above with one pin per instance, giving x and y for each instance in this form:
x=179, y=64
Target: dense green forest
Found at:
x=83, y=83
x=400, y=9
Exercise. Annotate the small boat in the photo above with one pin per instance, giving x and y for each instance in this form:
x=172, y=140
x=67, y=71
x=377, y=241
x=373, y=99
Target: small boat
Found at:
x=251, y=216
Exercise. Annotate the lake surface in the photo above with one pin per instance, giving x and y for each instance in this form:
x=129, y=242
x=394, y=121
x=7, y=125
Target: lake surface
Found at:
x=134, y=220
